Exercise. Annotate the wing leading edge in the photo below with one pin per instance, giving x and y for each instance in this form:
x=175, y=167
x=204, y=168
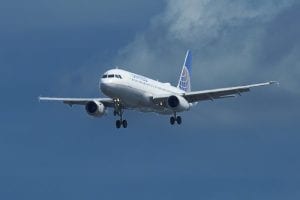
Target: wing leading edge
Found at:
x=79, y=101
x=221, y=92
x=213, y=94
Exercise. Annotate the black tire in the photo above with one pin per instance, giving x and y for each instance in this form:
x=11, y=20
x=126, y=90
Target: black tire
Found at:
x=124, y=123
x=118, y=124
x=172, y=120
x=178, y=119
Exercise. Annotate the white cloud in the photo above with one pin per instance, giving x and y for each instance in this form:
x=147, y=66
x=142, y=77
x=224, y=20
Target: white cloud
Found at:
x=224, y=35
x=204, y=20
x=227, y=40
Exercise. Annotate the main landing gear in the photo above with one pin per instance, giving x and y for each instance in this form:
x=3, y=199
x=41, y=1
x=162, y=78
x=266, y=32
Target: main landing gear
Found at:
x=120, y=123
x=174, y=119
x=118, y=111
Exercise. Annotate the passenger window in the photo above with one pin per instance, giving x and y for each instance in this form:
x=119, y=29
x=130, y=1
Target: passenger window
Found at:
x=104, y=76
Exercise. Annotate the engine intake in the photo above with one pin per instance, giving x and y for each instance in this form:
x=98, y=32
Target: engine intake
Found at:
x=178, y=103
x=95, y=108
x=173, y=101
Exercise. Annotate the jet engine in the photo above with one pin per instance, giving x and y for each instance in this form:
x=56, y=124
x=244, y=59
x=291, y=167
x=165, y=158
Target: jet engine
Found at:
x=178, y=103
x=95, y=108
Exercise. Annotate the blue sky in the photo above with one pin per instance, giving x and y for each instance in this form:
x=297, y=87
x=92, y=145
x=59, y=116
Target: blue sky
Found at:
x=243, y=148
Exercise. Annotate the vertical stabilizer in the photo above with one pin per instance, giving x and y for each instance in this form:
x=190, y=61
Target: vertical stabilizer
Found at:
x=184, y=82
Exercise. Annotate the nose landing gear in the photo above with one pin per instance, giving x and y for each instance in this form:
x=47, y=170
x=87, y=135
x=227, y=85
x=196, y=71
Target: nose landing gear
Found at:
x=118, y=111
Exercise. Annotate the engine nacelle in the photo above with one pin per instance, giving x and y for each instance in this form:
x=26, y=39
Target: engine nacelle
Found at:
x=95, y=108
x=178, y=103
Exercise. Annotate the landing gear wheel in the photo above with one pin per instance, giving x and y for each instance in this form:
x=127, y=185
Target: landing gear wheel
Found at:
x=178, y=119
x=124, y=123
x=118, y=123
x=172, y=120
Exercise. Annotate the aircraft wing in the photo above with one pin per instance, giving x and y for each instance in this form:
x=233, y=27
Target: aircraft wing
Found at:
x=221, y=93
x=79, y=101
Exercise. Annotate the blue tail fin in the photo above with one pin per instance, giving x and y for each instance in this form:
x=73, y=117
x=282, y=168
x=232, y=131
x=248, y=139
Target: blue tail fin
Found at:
x=184, y=82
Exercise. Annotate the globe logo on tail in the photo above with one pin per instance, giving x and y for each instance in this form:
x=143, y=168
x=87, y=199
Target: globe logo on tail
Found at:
x=184, y=82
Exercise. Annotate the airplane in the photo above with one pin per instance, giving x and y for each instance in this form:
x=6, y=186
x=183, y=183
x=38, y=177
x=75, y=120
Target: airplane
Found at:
x=129, y=91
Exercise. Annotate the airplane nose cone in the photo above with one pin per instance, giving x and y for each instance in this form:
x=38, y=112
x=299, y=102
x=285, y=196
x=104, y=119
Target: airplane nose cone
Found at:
x=104, y=82
x=105, y=86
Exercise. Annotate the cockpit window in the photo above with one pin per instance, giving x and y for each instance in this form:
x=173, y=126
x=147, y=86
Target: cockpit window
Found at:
x=112, y=76
x=118, y=76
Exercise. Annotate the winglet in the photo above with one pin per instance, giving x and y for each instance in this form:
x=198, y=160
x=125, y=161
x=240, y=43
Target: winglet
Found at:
x=273, y=82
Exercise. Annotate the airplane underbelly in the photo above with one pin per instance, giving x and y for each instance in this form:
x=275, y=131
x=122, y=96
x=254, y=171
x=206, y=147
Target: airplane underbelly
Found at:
x=129, y=96
x=134, y=98
x=139, y=100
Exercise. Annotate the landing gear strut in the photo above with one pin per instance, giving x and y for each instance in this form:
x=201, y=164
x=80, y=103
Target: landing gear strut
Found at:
x=174, y=119
x=118, y=111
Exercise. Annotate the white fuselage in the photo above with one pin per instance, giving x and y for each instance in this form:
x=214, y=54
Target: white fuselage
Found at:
x=136, y=91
